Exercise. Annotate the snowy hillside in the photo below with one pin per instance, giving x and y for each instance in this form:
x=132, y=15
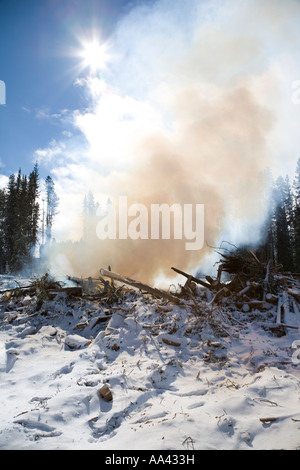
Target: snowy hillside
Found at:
x=178, y=377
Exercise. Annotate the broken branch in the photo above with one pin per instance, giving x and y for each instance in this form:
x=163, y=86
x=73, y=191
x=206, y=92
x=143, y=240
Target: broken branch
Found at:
x=192, y=278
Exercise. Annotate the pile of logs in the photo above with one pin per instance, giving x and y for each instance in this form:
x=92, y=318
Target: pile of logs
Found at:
x=249, y=277
x=254, y=285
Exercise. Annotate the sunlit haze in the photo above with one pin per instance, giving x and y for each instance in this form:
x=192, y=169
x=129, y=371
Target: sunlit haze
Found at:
x=161, y=102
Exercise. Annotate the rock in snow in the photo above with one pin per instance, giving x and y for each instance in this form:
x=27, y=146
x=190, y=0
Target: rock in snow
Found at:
x=76, y=341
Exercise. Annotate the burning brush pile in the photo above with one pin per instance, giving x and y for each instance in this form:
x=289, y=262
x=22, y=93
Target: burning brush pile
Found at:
x=258, y=289
x=253, y=291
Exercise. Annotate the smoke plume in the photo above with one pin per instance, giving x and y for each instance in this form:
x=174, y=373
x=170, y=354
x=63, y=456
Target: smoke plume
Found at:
x=187, y=114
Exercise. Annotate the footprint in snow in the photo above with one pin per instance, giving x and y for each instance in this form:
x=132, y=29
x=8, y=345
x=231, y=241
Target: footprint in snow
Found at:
x=196, y=405
x=67, y=369
x=45, y=429
x=11, y=357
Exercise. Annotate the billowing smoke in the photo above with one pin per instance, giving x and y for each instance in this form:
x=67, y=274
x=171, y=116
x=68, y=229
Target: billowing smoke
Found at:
x=187, y=113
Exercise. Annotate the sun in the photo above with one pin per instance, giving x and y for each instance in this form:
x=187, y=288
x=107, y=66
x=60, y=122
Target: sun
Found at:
x=94, y=55
x=92, y=52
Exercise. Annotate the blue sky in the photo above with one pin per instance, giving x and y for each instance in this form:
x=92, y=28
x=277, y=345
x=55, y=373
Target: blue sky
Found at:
x=194, y=100
x=36, y=37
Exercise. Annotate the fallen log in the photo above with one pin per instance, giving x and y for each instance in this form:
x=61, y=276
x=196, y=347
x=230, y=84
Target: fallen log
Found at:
x=70, y=291
x=12, y=289
x=140, y=286
x=194, y=279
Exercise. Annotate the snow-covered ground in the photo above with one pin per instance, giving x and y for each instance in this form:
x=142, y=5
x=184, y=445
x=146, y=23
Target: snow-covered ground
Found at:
x=178, y=381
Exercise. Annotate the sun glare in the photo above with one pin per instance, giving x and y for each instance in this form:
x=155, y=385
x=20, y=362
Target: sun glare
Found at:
x=94, y=55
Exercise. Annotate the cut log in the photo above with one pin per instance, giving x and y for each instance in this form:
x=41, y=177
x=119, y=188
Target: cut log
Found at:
x=105, y=393
x=140, y=286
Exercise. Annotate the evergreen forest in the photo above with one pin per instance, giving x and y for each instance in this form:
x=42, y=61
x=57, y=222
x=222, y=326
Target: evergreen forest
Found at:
x=21, y=223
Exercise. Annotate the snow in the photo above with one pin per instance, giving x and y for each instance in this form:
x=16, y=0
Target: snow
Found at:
x=233, y=386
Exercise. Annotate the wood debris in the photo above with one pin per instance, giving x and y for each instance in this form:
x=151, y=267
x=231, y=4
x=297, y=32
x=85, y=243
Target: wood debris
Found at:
x=192, y=278
x=170, y=341
x=251, y=285
x=69, y=291
x=140, y=286
x=243, y=283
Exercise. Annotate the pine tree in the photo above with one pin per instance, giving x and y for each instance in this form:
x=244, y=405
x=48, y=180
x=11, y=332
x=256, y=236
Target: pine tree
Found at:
x=266, y=250
x=283, y=229
x=33, y=216
x=19, y=218
x=51, y=206
x=11, y=223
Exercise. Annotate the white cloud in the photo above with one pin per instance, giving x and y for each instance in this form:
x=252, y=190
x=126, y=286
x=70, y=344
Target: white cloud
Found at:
x=48, y=154
x=3, y=181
